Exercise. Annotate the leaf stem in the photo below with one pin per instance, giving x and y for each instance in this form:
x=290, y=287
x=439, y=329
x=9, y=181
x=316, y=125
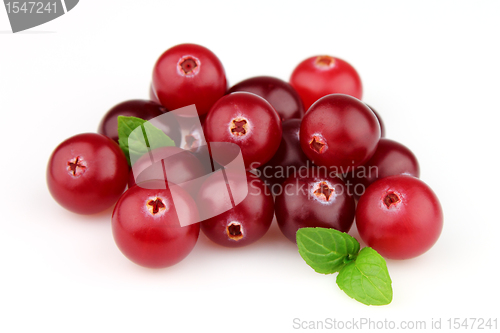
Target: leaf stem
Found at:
x=349, y=258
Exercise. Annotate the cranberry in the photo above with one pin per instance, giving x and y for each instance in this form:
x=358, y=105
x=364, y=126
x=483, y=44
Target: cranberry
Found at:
x=339, y=131
x=380, y=122
x=400, y=217
x=284, y=99
x=319, y=76
x=87, y=173
x=240, y=223
x=189, y=74
x=250, y=122
x=390, y=158
x=152, y=232
x=315, y=200
x=181, y=167
x=289, y=157
x=143, y=109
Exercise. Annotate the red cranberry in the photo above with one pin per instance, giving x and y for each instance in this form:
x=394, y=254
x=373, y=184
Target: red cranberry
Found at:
x=314, y=201
x=380, y=122
x=339, y=131
x=390, y=158
x=147, y=226
x=289, y=157
x=240, y=223
x=87, y=173
x=189, y=74
x=250, y=122
x=400, y=217
x=143, y=109
x=284, y=99
x=181, y=167
x=319, y=76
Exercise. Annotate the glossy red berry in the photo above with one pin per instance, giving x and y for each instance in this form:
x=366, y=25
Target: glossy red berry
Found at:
x=400, y=217
x=143, y=109
x=189, y=74
x=288, y=158
x=284, y=99
x=87, y=173
x=315, y=200
x=180, y=166
x=239, y=224
x=339, y=131
x=250, y=122
x=147, y=225
x=319, y=76
x=390, y=158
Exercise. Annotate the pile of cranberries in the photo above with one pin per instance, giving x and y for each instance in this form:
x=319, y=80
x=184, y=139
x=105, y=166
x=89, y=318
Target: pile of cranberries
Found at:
x=315, y=156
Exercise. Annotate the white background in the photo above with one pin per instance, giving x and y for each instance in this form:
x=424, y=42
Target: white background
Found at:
x=430, y=68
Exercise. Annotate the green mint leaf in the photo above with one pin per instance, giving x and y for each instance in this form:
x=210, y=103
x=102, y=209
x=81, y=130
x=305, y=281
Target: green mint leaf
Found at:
x=136, y=136
x=326, y=250
x=126, y=126
x=367, y=279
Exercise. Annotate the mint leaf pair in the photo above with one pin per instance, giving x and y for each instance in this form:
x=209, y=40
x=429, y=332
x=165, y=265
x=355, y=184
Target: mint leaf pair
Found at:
x=363, y=275
x=136, y=143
